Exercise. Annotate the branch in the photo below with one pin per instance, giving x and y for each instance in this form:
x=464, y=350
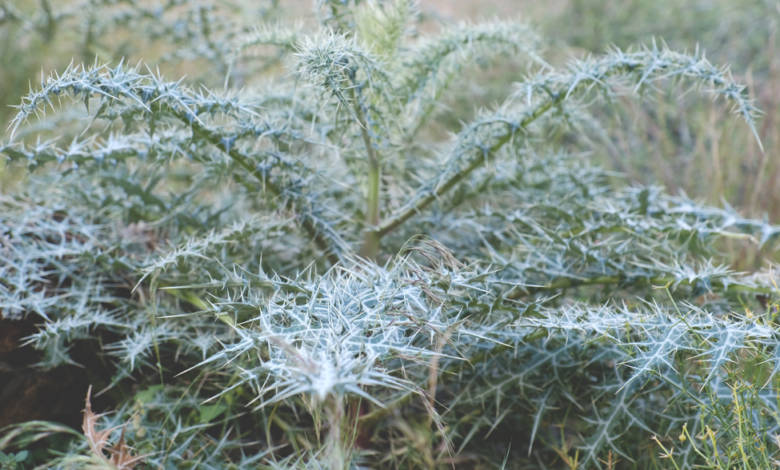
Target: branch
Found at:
x=550, y=90
x=322, y=234
x=151, y=99
x=661, y=281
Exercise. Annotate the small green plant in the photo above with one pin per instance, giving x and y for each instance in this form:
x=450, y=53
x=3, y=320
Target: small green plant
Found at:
x=12, y=461
x=304, y=273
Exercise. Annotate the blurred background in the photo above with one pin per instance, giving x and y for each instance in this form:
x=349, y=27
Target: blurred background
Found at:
x=684, y=143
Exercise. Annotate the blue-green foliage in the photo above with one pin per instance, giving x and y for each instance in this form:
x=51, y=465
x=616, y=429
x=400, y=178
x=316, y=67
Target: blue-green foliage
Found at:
x=513, y=304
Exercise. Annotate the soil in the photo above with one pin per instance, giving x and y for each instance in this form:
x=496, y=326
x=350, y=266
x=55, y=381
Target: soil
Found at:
x=28, y=392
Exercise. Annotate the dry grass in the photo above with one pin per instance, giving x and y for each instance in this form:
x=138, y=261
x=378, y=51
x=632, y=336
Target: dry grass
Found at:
x=702, y=155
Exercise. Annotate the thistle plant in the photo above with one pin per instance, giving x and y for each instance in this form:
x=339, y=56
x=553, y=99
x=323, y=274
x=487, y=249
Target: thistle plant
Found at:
x=302, y=272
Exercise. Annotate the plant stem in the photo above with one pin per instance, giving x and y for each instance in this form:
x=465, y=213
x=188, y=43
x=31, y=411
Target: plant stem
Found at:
x=327, y=240
x=370, y=246
x=567, y=282
x=557, y=91
x=441, y=187
x=335, y=450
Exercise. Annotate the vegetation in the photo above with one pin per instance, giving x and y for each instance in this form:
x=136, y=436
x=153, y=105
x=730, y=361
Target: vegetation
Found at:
x=285, y=262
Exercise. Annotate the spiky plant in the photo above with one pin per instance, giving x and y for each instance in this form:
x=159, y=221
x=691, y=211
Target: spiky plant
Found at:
x=304, y=273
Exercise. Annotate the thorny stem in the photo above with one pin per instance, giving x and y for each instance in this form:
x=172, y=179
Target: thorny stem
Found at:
x=328, y=241
x=370, y=419
x=416, y=206
x=567, y=282
x=554, y=99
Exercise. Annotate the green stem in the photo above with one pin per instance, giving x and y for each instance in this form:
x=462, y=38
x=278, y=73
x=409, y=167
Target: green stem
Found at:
x=567, y=282
x=477, y=161
x=325, y=239
x=557, y=91
x=370, y=247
